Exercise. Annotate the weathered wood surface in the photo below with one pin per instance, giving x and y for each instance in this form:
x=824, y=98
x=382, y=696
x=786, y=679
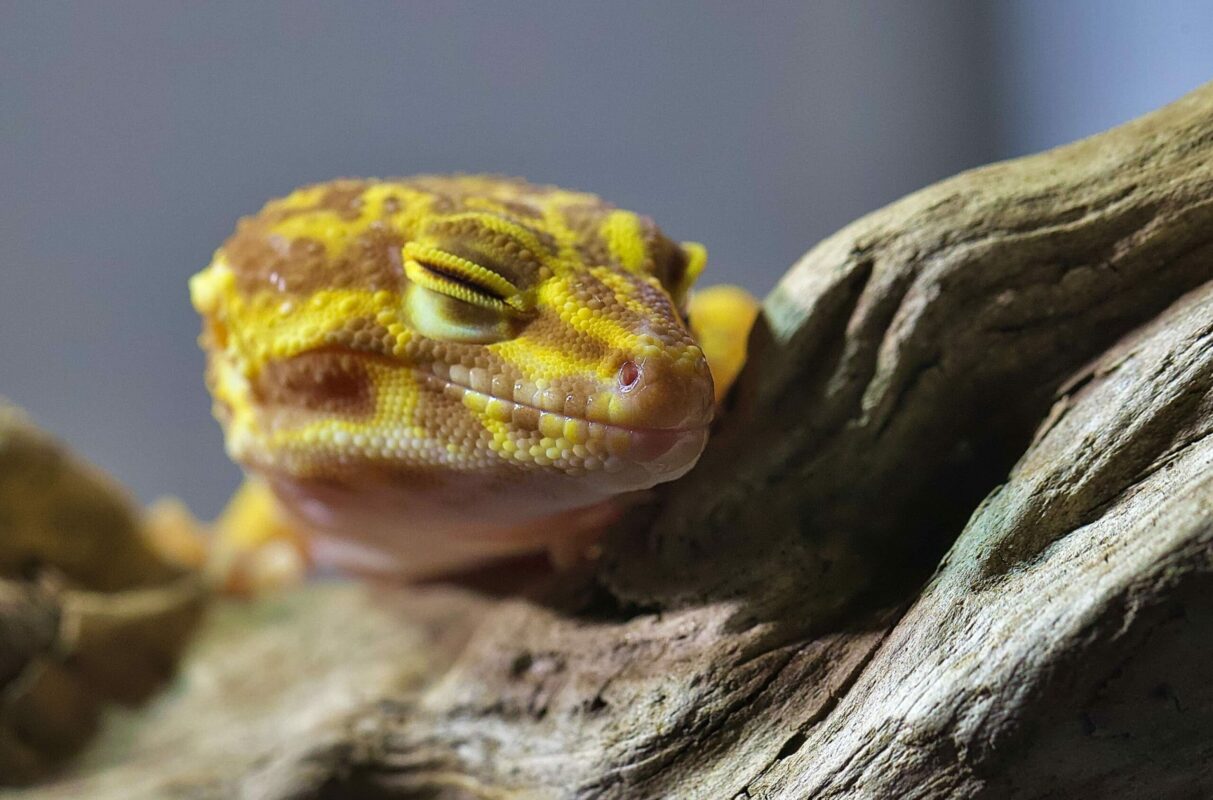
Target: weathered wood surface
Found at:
x=826, y=607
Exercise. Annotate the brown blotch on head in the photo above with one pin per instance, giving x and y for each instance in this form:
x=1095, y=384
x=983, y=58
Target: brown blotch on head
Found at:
x=262, y=260
x=321, y=381
x=344, y=197
x=585, y=220
x=668, y=258
x=372, y=262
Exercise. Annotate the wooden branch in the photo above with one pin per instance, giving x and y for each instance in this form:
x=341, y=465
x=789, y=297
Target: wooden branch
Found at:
x=808, y=614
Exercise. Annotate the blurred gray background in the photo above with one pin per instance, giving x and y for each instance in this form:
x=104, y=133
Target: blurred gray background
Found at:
x=133, y=134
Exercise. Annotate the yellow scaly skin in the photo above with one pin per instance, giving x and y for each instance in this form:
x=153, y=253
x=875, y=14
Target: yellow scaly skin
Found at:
x=436, y=371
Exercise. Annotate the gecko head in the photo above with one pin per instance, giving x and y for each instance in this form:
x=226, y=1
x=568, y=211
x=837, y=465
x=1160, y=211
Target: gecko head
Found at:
x=463, y=348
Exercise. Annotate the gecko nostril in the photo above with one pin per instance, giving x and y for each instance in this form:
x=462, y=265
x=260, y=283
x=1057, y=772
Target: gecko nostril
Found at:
x=629, y=375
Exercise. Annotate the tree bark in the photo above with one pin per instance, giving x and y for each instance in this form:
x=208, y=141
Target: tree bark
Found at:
x=825, y=607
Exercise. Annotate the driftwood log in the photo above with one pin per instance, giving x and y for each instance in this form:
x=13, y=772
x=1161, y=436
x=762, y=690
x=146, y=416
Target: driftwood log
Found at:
x=954, y=538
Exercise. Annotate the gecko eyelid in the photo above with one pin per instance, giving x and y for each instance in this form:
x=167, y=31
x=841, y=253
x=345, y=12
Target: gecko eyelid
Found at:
x=446, y=273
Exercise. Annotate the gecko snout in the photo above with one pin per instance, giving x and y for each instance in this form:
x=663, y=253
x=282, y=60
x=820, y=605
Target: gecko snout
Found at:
x=660, y=392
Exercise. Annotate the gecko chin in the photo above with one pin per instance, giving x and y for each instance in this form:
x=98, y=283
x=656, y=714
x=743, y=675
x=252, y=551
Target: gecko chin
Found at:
x=424, y=522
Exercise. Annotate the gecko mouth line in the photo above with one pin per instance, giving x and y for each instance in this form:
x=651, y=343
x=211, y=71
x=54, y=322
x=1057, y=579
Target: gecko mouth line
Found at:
x=448, y=384
x=566, y=441
x=523, y=414
x=606, y=441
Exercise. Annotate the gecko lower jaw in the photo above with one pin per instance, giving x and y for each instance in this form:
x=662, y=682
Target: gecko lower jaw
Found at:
x=413, y=510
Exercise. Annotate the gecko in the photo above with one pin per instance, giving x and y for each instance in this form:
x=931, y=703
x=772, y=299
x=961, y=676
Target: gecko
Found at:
x=424, y=375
